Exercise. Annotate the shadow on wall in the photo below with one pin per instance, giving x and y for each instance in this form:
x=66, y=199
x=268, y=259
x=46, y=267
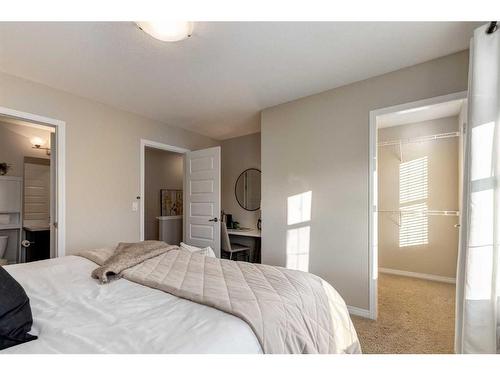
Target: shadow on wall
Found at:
x=299, y=230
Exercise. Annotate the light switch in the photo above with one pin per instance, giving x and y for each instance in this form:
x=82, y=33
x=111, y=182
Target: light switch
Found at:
x=135, y=206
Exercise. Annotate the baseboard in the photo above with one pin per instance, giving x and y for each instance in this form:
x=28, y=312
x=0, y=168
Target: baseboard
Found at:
x=359, y=312
x=425, y=276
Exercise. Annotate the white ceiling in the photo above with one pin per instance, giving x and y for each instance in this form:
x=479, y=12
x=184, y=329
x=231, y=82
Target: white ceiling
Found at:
x=419, y=114
x=216, y=82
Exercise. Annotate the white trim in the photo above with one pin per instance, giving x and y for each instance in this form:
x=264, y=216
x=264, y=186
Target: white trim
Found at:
x=417, y=275
x=160, y=146
x=372, y=203
x=60, y=127
x=359, y=312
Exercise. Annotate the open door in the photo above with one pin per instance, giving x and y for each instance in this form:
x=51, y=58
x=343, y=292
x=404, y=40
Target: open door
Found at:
x=202, y=198
x=53, y=196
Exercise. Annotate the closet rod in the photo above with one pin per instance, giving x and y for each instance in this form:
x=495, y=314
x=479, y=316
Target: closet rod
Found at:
x=427, y=212
x=424, y=138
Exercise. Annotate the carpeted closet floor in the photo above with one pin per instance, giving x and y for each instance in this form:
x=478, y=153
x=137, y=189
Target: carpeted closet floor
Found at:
x=414, y=316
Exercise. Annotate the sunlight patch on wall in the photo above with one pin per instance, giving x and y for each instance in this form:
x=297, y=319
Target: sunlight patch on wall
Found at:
x=299, y=208
x=299, y=231
x=297, y=248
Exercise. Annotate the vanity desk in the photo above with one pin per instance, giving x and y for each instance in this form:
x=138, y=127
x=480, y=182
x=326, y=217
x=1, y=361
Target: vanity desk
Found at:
x=247, y=194
x=250, y=237
x=244, y=232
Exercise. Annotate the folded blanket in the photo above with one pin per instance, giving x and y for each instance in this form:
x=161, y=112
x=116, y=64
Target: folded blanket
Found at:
x=289, y=311
x=127, y=255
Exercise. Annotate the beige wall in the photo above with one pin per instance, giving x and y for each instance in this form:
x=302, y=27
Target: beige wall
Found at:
x=439, y=256
x=102, y=159
x=14, y=147
x=320, y=143
x=163, y=170
x=238, y=154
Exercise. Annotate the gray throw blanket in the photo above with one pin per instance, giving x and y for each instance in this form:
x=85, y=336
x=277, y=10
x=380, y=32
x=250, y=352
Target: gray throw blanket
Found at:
x=289, y=311
x=127, y=255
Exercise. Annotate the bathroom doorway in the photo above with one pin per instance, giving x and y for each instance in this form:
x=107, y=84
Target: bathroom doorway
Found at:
x=30, y=188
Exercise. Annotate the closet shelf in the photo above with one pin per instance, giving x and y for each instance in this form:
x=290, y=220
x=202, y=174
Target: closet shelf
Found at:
x=425, y=138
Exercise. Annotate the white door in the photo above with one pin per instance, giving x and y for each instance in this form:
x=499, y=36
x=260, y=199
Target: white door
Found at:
x=53, y=196
x=202, y=198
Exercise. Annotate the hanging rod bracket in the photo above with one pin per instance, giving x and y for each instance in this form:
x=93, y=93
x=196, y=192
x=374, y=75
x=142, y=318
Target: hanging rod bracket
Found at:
x=493, y=26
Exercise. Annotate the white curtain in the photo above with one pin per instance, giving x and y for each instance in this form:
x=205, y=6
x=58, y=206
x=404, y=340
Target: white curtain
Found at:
x=478, y=287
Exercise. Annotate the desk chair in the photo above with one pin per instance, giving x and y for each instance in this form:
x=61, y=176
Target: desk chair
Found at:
x=232, y=248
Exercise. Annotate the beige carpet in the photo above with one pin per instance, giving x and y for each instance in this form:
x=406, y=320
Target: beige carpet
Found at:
x=414, y=316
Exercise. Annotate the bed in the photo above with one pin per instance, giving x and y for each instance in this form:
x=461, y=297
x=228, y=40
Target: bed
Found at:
x=72, y=313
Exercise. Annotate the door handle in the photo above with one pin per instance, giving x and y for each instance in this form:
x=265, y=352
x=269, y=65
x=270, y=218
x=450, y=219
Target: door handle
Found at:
x=215, y=220
x=26, y=243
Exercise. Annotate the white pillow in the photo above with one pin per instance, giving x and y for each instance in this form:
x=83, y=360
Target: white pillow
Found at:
x=207, y=251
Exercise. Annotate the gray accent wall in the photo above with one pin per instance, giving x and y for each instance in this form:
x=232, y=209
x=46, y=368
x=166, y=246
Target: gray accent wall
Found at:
x=320, y=143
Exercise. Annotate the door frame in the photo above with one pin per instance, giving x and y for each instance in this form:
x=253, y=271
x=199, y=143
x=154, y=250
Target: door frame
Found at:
x=60, y=128
x=159, y=146
x=372, y=199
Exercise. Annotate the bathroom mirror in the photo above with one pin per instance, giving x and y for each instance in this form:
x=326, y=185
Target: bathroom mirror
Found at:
x=247, y=189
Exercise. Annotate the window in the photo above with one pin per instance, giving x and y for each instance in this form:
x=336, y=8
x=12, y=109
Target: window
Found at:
x=414, y=225
x=413, y=180
x=413, y=194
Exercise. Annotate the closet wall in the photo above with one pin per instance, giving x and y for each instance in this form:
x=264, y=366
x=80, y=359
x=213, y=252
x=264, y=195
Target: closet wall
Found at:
x=441, y=157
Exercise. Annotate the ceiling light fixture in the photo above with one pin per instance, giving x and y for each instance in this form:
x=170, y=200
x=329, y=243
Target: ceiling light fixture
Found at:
x=167, y=31
x=37, y=143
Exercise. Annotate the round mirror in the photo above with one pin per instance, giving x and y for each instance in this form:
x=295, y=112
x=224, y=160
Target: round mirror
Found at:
x=247, y=189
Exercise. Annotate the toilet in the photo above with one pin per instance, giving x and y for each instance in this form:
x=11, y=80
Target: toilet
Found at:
x=3, y=247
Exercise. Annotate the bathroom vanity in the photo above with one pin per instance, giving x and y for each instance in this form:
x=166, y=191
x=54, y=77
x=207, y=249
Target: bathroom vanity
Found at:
x=10, y=218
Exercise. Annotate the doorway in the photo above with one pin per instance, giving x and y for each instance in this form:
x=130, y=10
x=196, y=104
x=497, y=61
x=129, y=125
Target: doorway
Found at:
x=415, y=199
x=31, y=186
x=162, y=187
x=163, y=195
x=201, y=195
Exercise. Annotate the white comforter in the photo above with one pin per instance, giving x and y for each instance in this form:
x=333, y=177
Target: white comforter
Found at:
x=72, y=313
